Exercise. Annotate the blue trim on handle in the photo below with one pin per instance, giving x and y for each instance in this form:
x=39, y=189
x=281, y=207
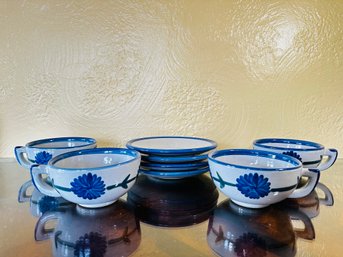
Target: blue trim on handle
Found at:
x=335, y=151
x=261, y=143
x=258, y=153
x=16, y=154
x=33, y=181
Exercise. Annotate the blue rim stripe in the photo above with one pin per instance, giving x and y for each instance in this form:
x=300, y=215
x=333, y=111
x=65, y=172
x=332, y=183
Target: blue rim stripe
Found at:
x=122, y=151
x=171, y=174
x=172, y=151
x=174, y=166
x=174, y=159
x=261, y=143
x=259, y=153
x=87, y=141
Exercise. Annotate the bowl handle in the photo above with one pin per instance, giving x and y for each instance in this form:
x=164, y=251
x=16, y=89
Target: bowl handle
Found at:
x=328, y=199
x=41, y=233
x=308, y=231
x=38, y=181
x=22, y=195
x=19, y=152
x=332, y=156
x=313, y=178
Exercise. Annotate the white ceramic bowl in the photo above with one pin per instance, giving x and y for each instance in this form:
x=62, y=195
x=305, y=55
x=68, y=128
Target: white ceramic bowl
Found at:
x=91, y=178
x=43, y=150
x=309, y=153
x=256, y=179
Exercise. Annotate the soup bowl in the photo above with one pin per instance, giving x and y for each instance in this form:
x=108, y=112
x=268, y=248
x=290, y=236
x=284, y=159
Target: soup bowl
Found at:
x=91, y=178
x=256, y=179
x=43, y=150
x=309, y=153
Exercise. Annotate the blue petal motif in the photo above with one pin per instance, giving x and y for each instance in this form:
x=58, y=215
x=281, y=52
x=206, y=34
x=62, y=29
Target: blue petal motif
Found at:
x=253, y=186
x=88, y=186
x=47, y=203
x=43, y=157
x=293, y=154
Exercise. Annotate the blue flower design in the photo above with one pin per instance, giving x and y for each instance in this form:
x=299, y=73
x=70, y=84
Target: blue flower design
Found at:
x=92, y=244
x=88, y=186
x=253, y=186
x=47, y=203
x=43, y=157
x=293, y=154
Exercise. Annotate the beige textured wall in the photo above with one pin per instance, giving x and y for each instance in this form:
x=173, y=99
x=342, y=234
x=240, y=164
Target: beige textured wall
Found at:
x=232, y=71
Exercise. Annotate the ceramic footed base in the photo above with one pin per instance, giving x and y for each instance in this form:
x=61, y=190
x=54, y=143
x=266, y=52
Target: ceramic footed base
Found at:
x=247, y=205
x=97, y=205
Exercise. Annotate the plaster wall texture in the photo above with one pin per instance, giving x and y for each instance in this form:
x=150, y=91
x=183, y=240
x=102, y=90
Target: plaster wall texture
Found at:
x=232, y=71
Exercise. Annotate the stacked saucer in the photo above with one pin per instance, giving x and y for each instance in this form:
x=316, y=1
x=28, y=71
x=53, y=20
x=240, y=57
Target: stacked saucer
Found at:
x=172, y=157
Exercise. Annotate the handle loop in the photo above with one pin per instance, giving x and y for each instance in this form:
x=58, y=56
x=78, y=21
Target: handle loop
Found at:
x=38, y=181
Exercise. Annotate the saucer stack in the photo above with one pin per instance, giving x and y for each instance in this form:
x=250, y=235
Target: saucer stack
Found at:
x=172, y=157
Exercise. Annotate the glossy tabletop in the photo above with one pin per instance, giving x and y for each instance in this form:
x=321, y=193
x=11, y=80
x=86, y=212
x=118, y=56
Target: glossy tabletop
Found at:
x=170, y=219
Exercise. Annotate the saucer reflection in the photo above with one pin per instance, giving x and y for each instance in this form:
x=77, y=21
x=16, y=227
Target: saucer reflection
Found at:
x=237, y=231
x=109, y=231
x=173, y=203
x=40, y=203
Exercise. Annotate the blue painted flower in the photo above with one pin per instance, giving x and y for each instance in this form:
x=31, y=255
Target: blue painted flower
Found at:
x=47, y=203
x=88, y=186
x=253, y=186
x=43, y=157
x=293, y=154
x=92, y=245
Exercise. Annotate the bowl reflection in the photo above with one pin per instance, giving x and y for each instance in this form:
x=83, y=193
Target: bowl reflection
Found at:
x=109, y=231
x=173, y=203
x=237, y=231
x=40, y=203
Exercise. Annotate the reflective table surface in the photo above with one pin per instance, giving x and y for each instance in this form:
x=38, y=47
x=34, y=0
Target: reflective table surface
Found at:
x=169, y=218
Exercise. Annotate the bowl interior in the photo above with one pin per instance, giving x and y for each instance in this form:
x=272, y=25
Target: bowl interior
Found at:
x=290, y=144
x=89, y=161
x=256, y=162
x=63, y=142
x=171, y=143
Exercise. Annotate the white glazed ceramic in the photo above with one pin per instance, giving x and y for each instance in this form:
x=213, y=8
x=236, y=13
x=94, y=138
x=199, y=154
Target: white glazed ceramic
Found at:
x=41, y=151
x=113, y=231
x=91, y=178
x=309, y=153
x=171, y=145
x=256, y=179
